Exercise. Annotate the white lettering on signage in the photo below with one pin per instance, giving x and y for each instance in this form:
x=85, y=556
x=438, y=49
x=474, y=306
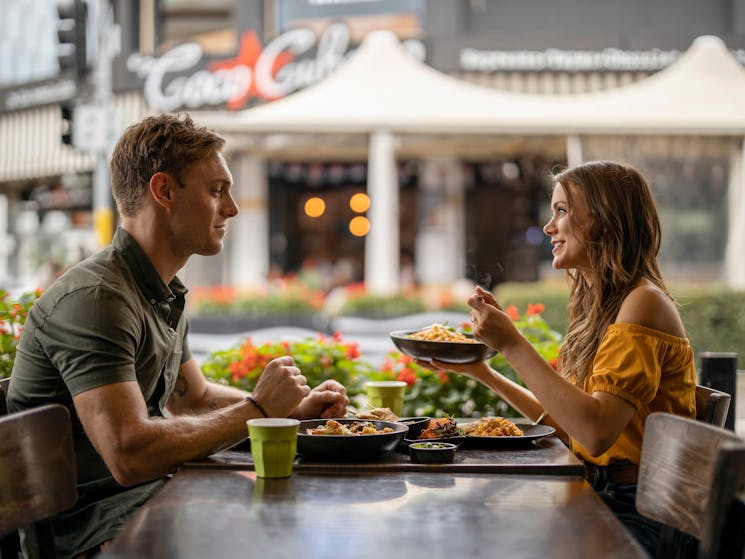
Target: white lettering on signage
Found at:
x=195, y=90
x=566, y=60
x=41, y=94
x=205, y=87
x=332, y=47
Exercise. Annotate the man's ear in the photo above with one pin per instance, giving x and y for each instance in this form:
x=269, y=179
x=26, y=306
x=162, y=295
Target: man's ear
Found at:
x=161, y=188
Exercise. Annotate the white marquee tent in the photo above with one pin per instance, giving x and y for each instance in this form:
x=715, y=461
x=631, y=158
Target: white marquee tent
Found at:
x=383, y=92
x=382, y=87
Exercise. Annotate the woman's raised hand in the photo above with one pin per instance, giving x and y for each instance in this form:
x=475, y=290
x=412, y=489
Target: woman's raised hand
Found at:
x=490, y=323
x=477, y=371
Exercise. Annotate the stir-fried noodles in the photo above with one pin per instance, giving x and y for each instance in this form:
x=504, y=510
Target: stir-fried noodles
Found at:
x=440, y=333
x=492, y=427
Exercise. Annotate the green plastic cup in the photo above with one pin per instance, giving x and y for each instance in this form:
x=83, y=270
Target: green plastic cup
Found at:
x=273, y=445
x=386, y=394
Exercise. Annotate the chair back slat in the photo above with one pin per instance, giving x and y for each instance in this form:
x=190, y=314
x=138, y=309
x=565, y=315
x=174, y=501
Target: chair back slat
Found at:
x=724, y=526
x=4, y=383
x=712, y=405
x=37, y=466
x=686, y=476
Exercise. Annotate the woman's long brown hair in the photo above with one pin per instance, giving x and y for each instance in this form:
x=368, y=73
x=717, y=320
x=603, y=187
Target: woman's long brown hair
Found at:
x=623, y=238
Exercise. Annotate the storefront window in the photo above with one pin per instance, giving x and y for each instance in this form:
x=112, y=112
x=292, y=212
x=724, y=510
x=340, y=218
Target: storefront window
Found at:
x=316, y=210
x=506, y=200
x=319, y=219
x=28, y=41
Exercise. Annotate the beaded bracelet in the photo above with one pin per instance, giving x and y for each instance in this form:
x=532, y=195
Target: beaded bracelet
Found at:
x=257, y=406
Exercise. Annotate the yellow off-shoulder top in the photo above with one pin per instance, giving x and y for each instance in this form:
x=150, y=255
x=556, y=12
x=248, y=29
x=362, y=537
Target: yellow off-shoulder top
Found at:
x=651, y=370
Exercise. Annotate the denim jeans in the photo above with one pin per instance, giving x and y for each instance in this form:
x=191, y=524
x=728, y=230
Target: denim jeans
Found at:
x=621, y=500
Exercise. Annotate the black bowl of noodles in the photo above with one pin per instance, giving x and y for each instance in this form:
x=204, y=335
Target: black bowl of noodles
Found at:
x=312, y=444
x=415, y=424
x=466, y=349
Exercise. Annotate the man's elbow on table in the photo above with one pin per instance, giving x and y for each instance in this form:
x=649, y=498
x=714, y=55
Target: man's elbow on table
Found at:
x=131, y=444
x=132, y=467
x=127, y=476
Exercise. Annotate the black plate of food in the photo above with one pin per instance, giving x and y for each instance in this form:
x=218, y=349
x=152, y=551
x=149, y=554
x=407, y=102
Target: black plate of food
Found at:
x=530, y=433
x=347, y=446
x=468, y=350
x=415, y=424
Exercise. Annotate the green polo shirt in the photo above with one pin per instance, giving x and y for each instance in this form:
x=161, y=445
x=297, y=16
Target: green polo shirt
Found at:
x=109, y=319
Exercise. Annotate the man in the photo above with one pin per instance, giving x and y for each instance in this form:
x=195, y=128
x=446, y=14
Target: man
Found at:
x=108, y=339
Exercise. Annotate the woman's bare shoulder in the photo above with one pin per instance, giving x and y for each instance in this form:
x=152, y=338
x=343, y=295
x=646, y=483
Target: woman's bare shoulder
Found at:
x=649, y=306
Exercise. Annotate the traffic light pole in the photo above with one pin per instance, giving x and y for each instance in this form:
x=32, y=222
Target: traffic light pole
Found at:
x=108, y=46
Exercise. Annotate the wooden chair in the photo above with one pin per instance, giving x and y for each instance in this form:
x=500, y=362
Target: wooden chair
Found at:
x=37, y=477
x=712, y=405
x=4, y=382
x=692, y=478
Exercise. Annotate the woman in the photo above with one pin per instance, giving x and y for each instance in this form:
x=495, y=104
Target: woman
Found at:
x=625, y=354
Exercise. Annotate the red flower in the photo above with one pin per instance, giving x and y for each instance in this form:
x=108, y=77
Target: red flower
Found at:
x=353, y=350
x=512, y=312
x=538, y=308
x=355, y=289
x=554, y=363
x=317, y=300
x=444, y=377
x=237, y=370
x=405, y=359
x=408, y=376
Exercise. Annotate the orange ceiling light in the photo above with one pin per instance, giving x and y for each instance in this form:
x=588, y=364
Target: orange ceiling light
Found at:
x=359, y=226
x=359, y=203
x=315, y=207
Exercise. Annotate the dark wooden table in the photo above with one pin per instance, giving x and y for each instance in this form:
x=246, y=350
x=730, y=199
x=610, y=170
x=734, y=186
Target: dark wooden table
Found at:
x=547, y=456
x=227, y=514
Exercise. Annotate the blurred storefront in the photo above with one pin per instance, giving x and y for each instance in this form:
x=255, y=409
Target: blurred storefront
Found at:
x=690, y=109
x=444, y=201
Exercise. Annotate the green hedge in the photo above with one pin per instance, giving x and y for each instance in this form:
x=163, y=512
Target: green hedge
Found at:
x=714, y=316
